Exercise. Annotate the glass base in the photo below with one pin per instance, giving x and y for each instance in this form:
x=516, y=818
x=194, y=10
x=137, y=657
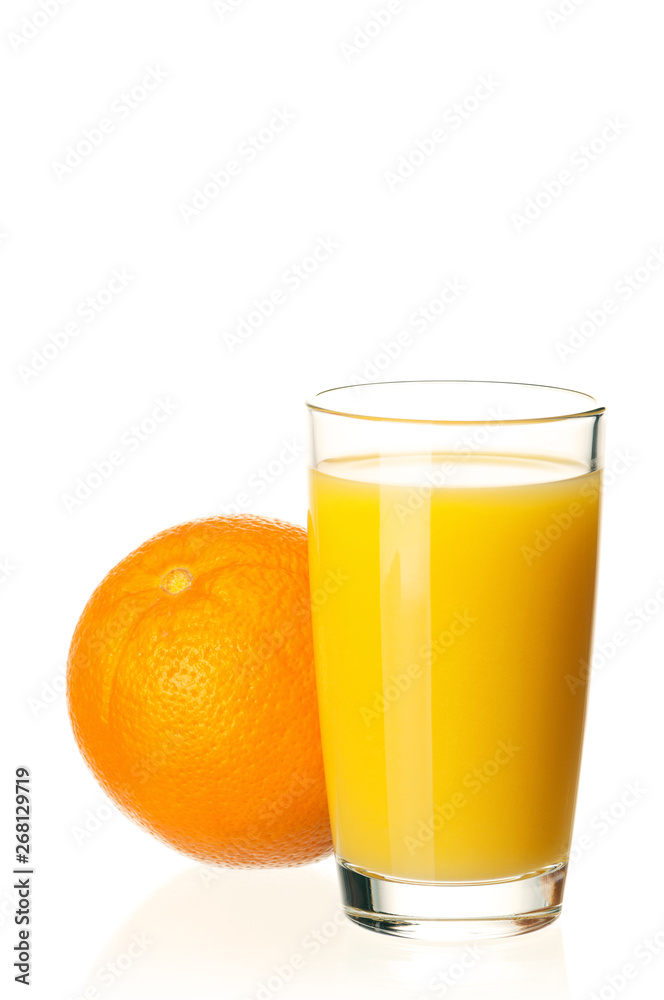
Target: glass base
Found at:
x=452, y=911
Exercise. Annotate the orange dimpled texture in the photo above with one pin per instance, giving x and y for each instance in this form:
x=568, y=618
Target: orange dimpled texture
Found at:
x=192, y=694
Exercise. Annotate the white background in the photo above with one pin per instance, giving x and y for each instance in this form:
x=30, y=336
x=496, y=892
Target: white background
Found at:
x=235, y=407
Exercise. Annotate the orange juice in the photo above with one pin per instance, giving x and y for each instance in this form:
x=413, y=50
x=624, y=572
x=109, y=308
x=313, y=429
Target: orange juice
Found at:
x=447, y=614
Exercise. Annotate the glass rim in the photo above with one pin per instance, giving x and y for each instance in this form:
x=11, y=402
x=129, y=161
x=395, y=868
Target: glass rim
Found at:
x=312, y=403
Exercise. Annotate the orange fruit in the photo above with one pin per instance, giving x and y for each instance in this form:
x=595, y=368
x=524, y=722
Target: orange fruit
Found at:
x=192, y=695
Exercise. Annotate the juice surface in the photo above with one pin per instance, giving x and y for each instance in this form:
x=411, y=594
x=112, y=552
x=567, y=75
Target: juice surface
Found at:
x=449, y=616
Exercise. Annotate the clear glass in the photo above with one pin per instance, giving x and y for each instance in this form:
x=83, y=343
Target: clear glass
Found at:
x=453, y=549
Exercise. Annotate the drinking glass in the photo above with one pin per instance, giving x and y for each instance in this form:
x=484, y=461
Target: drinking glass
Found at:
x=453, y=550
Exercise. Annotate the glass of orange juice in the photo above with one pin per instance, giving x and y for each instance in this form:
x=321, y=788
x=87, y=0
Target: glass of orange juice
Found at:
x=453, y=549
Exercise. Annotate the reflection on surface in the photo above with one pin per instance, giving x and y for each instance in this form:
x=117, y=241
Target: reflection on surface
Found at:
x=255, y=935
